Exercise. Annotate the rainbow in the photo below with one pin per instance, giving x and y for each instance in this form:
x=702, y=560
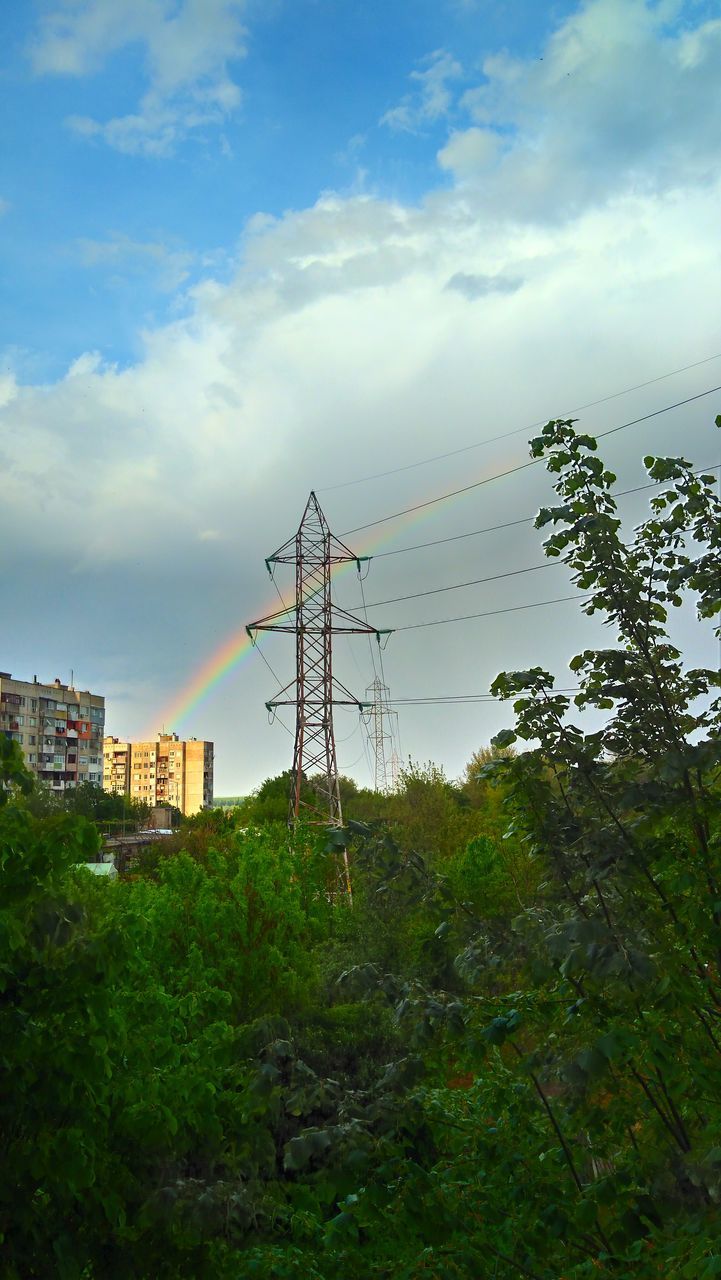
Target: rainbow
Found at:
x=238, y=646
x=229, y=655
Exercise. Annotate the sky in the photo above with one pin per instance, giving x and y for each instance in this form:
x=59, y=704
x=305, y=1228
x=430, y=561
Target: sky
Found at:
x=252, y=250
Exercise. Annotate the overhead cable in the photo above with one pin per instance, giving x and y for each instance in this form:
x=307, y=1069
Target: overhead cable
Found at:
x=479, y=444
x=522, y=466
x=509, y=524
x=490, y=613
x=458, y=699
x=474, y=582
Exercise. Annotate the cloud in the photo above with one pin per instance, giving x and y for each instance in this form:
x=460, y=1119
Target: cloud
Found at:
x=88, y=362
x=187, y=48
x=469, y=153
x=623, y=97
x=8, y=389
x=433, y=98
x=5, y=206
x=129, y=258
x=342, y=343
x=478, y=286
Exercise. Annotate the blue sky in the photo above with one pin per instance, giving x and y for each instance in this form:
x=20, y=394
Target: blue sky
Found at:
x=316, y=80
x=249, y=249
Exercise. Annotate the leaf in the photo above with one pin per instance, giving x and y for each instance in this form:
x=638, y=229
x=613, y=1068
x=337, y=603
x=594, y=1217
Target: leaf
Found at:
x=610, y=1045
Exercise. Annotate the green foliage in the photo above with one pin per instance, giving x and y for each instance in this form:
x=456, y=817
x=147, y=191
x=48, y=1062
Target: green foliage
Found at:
x=496, y=879
x=87, y=800
x=14, y=777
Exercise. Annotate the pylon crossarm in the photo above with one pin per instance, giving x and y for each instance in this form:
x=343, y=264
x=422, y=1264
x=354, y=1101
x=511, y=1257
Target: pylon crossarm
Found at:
x=334, y=702
x=259, y=626
x=357, y=623
x=311, y=630
x=268, y=622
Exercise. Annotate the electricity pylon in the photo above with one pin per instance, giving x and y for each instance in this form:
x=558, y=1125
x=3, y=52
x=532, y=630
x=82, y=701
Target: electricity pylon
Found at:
x=314, y=691
x=380, y=716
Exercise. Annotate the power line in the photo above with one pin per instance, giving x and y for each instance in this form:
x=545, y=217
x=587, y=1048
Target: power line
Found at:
x=474, y=582
x=490, y=613
x=471, y=698
x=277, y=681
x=458, y=537
x=509, y=524
x=453, y=453
x=522, y=466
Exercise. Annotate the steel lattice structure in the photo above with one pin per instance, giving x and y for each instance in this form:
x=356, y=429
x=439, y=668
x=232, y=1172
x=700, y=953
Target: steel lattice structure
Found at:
x=381, y=717
x=314, y=691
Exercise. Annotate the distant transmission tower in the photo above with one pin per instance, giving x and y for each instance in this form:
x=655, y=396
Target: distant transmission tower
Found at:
x=382, y=736
x=395, y=770
x=314, y=691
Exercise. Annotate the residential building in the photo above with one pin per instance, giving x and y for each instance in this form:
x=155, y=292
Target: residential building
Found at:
x=116, y=766
x=166, y=771
x=59, y=728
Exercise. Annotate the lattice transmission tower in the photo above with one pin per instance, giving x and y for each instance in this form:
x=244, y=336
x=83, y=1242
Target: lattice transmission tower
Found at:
x=383, y=734
x=314, y=691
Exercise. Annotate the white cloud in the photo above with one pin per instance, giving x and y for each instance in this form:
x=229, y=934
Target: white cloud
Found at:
x=127, y=257
x=8, y=389
x=620, y=99
x=88, y=362
x=469, y=152
x=361, y=334
x=433, y=98
x=5, y=206
x=187, y=47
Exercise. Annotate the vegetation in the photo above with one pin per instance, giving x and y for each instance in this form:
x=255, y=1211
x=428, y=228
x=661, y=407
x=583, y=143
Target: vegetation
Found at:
x=504, y=1061
x=87, y=800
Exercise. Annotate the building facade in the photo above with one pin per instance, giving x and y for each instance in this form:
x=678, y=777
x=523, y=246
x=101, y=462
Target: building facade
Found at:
x=59, y=728
x=166, y=771
x=116, y=766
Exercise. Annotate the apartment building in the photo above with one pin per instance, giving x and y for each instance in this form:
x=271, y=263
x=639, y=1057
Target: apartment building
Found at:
x=59, y=728
x=166, y=771
x=116, y=766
